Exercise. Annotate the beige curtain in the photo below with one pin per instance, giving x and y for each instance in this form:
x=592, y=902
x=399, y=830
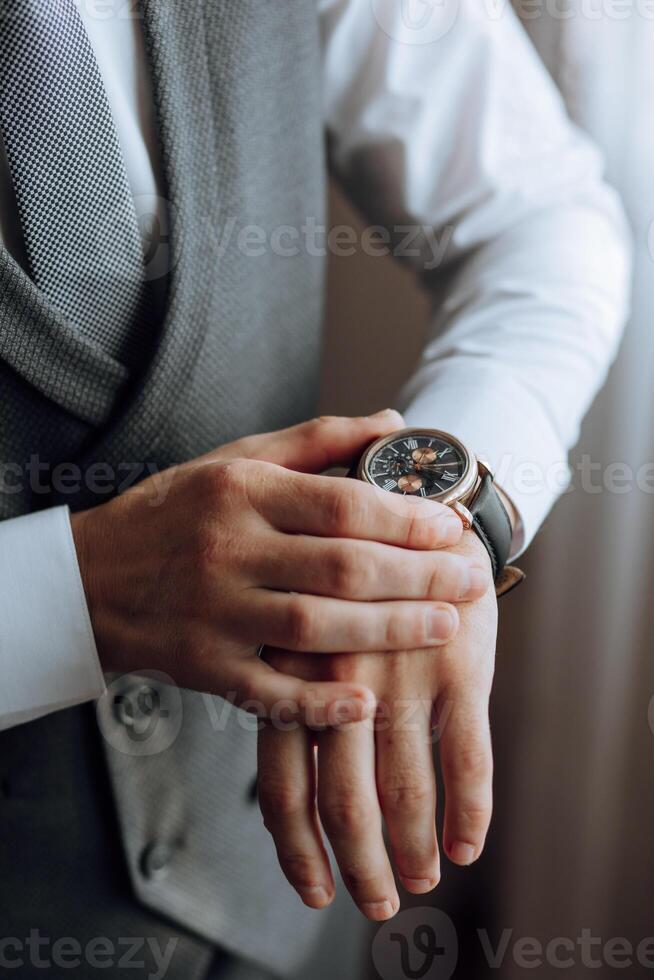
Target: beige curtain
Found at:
x=572, y=845
x=578, y=846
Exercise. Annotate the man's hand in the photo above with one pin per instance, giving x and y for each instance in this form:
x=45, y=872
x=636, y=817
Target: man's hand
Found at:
x=367, y=771
x=250, y=547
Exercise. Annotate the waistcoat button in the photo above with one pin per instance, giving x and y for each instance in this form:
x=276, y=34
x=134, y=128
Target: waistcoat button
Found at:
x=156, y=858
x=134, y=703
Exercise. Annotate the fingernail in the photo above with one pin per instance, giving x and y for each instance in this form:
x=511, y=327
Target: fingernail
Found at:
x=377, y=910
x=440, y=624
x=419, y=885
x=316, y=896
x=381, y=413
x=462, y=853
x=475, y=582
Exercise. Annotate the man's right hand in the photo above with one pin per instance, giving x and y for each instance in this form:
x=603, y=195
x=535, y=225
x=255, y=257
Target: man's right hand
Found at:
x=250, y=546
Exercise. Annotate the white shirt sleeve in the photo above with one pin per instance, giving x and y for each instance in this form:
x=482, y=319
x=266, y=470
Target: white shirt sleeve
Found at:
x=446, y=129
x=48, y=657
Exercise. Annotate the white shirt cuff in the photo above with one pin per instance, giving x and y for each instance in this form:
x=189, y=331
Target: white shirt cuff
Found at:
x=496, y=419
x=48, y=656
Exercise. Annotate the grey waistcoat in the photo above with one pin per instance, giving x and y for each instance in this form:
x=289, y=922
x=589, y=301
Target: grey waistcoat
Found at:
x=98, y=839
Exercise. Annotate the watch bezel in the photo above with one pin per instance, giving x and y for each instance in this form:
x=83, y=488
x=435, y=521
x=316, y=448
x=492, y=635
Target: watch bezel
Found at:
x=461, y=491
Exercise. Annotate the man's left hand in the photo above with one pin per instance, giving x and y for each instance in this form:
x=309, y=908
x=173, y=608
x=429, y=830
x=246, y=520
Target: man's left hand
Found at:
x=345, y=779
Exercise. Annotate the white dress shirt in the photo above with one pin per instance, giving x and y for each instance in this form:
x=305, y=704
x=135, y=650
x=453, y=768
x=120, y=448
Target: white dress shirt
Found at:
x=441, y=118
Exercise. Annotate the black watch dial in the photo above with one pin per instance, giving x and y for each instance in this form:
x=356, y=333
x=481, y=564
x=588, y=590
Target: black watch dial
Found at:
x=421, y=464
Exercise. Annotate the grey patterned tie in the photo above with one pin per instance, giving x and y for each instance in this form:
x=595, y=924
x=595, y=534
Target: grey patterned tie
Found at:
x=74, y=201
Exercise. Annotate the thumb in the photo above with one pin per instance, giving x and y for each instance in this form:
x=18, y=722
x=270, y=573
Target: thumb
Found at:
x=321, y=443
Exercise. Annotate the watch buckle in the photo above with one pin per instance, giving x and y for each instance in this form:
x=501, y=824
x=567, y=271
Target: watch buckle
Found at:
x=509, y=578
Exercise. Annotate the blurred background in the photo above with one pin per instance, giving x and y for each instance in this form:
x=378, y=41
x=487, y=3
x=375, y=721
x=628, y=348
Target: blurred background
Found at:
x=572, y=843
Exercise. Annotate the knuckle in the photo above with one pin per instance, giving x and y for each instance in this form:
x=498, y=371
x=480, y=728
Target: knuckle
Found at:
x=436, y=576
x=345, y=510
x=223, y=477
x=345, y=818
x=473, y=817
x=424, y=527
x=279, y=801
x=406, y=797
x=316, y=433
x=392, y=637
x=301, y=869
x=347, y=574
x=420, y=531
x=360, y=883
x=220, y=483
x=300, y=624
x=473, y=763
x=448, y=577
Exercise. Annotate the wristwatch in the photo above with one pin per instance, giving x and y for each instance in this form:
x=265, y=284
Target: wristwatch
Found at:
x=434, y=464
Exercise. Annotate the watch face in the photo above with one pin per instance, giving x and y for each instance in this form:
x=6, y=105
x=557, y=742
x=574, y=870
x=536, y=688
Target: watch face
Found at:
x=417, y=462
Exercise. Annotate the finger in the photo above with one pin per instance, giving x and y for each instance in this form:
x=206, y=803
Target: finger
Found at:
x=320, y=443
x=257, y=687
x=317, y=624
x=287, y=789
x=364, y=570
x=349, y=810
x=338, y=508
x=406, y=785
x=467, y=765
